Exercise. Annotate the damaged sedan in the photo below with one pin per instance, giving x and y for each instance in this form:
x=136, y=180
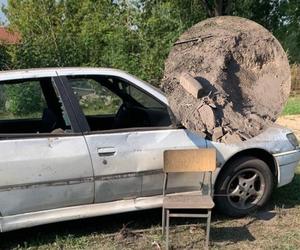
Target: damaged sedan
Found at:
x=94, y=146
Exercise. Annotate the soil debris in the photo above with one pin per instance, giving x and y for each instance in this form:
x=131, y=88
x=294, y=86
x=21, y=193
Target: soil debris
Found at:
x=238, y=77
x=208, y=117
x=124, y=233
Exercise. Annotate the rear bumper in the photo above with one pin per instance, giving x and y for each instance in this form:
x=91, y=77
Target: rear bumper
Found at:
x=287, y=163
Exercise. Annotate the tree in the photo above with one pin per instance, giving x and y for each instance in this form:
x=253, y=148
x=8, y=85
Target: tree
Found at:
x=217, y=7
x=282, y=18
x=4, y=57
x=288, y=28
x=23, y=99
x=3, y=65
x=134, y=35
x=158, y=27
x=69, y=33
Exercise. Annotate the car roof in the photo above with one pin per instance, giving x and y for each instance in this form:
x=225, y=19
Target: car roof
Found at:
x=51, y=72
x=73, y=71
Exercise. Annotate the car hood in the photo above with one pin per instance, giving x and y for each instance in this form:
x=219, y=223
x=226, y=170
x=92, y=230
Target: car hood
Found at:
x=273, y=140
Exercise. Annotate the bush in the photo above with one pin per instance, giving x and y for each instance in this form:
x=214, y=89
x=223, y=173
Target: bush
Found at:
x=3, y=57
x=23, y=99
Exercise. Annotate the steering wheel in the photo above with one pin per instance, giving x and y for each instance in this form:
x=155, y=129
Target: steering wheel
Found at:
x=131, y=116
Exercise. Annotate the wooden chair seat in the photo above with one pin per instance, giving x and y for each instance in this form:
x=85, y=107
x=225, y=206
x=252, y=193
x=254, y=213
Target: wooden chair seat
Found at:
x=188, y=202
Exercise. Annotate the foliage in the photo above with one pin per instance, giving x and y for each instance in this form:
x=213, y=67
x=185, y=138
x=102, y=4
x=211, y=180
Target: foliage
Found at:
x=280, y=17
x=4, y=60
x=23, y=99
x=133, y=35
x=4, y=57
x=94, y=33
x=158, y=27
x=292, y=107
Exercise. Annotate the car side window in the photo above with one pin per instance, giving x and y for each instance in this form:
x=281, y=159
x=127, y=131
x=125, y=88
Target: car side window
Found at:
x=21, y=101
x=31, y=106
x=109, y=102
x=94, y=98
x=140, y=96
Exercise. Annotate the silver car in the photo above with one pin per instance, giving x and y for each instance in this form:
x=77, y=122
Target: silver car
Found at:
x=84, y=142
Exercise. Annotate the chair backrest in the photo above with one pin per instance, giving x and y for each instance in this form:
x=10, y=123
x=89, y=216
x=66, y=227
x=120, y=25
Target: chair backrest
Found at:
x=190, y=160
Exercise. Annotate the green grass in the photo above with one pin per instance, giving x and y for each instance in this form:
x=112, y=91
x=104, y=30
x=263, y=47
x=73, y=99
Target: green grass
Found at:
x=276, y=227
x=292, y=107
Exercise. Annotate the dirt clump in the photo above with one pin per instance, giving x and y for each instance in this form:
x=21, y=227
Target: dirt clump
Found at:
x=243, y=75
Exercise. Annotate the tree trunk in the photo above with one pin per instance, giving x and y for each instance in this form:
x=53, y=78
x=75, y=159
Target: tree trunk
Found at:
x=217, y=7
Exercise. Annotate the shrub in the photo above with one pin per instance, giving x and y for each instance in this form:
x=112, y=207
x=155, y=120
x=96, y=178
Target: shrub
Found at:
x=23, y=99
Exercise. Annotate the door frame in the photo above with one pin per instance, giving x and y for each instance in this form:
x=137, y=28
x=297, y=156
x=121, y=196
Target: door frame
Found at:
x=76, y=132
x=76, y=116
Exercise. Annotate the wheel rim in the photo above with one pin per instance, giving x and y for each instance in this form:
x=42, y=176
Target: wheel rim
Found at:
x=246, y=188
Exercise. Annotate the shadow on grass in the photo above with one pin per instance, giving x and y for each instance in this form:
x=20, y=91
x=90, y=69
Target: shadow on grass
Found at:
x=57, y=232
x=48, y=234
x=232, y=234
x=287, y=197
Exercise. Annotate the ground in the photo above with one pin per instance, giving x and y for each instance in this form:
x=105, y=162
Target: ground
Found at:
x=292, y=122
x=274, y=227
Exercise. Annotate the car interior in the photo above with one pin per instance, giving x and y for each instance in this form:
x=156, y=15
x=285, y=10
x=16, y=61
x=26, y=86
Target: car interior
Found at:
x=133, y=112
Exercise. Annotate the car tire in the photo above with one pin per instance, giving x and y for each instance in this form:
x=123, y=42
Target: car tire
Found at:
x=245, y=186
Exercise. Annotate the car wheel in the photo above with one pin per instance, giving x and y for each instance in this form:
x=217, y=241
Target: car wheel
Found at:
x=245, y=186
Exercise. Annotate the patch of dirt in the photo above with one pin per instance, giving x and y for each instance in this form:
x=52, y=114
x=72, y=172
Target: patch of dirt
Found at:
x=292, y=122
x=243, y=70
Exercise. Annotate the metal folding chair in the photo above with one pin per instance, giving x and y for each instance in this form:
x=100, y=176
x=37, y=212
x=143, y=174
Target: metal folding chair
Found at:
x=191, y=160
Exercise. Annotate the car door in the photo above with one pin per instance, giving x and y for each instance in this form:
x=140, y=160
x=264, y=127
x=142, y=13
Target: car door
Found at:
x=47, y=165
x=128, y=156
x=129, y=164
x=115, y=169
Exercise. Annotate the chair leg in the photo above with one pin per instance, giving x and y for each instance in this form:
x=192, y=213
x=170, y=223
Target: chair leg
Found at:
x=208, y=229
x=163, y=223
x=168, y=225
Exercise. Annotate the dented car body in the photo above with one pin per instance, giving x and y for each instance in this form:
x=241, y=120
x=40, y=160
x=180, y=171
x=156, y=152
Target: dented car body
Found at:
x=72, y=162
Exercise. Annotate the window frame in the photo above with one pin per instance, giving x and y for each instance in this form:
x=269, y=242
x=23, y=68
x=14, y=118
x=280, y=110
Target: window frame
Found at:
x=76, y=128
x=86, y=129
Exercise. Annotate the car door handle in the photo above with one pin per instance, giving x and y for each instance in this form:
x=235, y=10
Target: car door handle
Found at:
x=109, y=151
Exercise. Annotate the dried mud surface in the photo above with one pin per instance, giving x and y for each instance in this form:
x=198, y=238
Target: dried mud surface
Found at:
x=245, y=74
x=292, y=122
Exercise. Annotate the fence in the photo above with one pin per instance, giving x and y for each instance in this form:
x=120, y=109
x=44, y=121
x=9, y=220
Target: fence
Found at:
x=295, y=72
